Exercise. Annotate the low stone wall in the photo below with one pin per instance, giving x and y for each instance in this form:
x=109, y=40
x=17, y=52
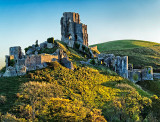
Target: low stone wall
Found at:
x=147, y=73
x=32, y=61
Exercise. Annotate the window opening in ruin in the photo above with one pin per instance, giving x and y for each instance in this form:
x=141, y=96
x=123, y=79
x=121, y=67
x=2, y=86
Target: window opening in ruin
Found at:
x=76, y=37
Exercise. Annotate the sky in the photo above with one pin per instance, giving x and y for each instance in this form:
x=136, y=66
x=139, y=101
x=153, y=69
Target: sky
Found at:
x=22, y=22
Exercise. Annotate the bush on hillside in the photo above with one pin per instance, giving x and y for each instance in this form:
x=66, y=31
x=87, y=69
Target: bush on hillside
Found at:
x=50, y=40
x=26, y=49
x=11, y=118
x=11, y=62
x=77, y=45
x=2, y=99
x=3, y=70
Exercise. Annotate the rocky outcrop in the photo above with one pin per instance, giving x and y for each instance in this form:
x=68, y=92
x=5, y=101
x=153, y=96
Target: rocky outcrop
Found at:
x=68, y=64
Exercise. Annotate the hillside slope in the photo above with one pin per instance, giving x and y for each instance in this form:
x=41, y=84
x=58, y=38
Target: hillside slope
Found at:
x=87, y=93
x=141, y=53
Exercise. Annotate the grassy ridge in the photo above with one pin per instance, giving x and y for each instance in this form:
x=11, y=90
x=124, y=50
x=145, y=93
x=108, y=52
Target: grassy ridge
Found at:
x=8, y=88
x=141, y=53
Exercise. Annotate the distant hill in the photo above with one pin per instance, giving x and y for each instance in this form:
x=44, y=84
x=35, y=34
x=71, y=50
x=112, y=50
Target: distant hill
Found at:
x=141, y=53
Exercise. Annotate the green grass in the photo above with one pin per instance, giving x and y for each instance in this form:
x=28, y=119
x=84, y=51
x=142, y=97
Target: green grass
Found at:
x=8, y=88
x=152, y=87
x=124, y=44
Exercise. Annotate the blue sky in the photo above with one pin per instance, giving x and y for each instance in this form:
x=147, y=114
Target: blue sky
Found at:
x=22, y=22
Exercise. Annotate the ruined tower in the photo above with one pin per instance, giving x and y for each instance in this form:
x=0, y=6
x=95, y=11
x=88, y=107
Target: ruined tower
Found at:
x=72, y=29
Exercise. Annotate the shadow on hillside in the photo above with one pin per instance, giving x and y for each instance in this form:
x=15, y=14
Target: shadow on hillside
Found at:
x=9, y=87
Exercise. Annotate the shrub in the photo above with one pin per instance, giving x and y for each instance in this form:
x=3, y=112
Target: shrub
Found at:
x=92, y=62
x=2, y=99
x=11, y=118
x=50, y=40
x=3, y=70
x=86, y=49
x=83, y=47
x=26, y=49
x=76, y=45
x=11, y=62
x=135, y=77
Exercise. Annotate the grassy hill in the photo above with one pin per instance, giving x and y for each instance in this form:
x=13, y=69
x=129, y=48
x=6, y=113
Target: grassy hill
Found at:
x=141, y=53
x=87, y=93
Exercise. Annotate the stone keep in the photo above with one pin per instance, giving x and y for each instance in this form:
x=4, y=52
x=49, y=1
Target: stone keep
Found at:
x=72, y=29
x=16, y=52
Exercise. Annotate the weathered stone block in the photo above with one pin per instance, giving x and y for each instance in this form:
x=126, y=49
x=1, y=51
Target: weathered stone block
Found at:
x=135, y=75
x=156, y=75
x=68, y=64
x=147, y=73
x=21, y=70
x=43, y=45
x=10, y=72
x=16, y=52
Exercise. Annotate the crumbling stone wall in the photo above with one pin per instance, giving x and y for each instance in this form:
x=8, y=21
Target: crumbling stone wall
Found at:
x=32, y=61
x=135, y=75
x=147, y=73
x=48, y=58
x=118, y=64
x=121, y=66
x=16, y=52
x=72, y=29
x=8, y=59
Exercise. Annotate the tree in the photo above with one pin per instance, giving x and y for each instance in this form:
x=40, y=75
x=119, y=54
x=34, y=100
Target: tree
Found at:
x=34, y=95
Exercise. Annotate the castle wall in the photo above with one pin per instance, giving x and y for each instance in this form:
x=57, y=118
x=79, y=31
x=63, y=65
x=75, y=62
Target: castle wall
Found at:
x=118, y=64
x=31, y=61
x=147, y=73
x=8, y=59
x=34, y=61
x=121, y=66
x=48, y=58
x=135, y=75
x=16, y=51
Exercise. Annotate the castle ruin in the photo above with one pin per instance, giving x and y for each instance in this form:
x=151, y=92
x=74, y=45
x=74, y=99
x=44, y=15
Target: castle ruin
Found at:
x=72, y=30
x=120, y=66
